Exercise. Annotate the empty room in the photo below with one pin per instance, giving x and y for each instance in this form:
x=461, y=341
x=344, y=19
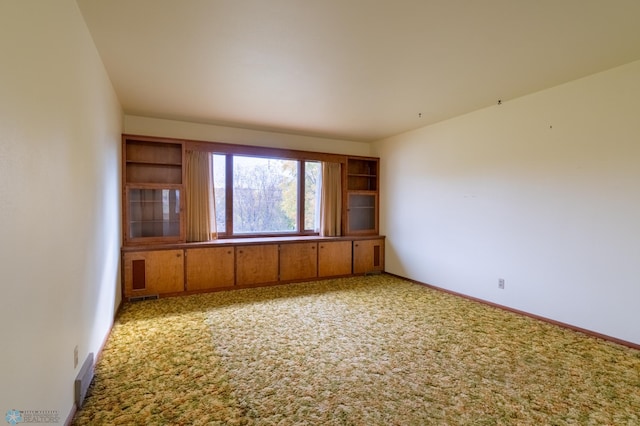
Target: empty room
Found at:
x=324, y=212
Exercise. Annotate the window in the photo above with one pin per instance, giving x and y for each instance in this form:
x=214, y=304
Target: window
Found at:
x=265, y=195
x=219, y=191
x=312, y=188
x=258, y=195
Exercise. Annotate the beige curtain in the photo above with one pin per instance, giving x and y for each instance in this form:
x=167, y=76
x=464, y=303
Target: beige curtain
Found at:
x=199, y=190
x=331, y=200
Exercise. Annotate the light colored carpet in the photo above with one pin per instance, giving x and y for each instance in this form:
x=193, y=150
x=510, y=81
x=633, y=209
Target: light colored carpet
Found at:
x=357, y=351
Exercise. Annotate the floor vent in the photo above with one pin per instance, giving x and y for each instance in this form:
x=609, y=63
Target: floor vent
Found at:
x=83, y=380
x=141, y=298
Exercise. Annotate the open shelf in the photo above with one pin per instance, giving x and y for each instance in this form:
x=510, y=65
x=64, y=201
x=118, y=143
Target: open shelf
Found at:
x=153, y=173
x=362, y=174
x=153, y=152
x=153, y=162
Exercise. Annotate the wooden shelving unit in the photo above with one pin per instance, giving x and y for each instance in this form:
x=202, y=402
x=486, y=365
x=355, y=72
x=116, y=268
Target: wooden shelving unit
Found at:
x=153, y=191
x=157, y=260
x=362, y=196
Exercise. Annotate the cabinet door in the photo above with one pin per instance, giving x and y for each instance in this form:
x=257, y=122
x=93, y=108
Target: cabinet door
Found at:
x=361, y=198
x=362, y=213
x=211, y=267
x=153, y=214
x=256, y=264
x=368, y=256
x=334, y=258
x=153, y=272
x=298, y=261
x=153, y=192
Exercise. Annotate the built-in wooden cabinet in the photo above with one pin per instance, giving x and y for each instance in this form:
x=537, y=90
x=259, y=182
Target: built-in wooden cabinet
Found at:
x=298, y=261
x=361, y=196
x=256, y=264
x=183, y=268
x=157, y=260
x=209, y=268
x=153, y=214
x=334, y=258
x=153, y=272
x=152, y=161
x=153, y=192
x=368, y=256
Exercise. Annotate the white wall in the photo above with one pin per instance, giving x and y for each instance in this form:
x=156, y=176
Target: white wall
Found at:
x=543, y=191
x=146, y=126
x=60, y=125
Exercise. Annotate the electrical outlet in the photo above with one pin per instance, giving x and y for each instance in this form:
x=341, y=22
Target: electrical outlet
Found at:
x=501, y=283
x=75, y=356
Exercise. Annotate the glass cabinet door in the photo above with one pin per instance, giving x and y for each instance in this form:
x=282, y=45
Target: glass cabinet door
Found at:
x=153, y=213
x=361, y=213
x=362, y=196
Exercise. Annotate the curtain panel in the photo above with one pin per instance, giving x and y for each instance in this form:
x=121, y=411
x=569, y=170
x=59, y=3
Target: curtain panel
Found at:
x=199, y=197
x=331, y=200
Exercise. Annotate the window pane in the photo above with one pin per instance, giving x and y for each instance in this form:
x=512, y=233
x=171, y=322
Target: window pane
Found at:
x=265, y=194
x=312, y=196
x=219, y=189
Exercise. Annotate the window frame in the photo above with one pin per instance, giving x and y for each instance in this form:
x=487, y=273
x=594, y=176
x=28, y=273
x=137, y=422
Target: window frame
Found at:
x=229, y=150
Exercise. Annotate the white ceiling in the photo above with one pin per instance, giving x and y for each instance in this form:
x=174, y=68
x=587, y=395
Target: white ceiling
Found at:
x=349, y=69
